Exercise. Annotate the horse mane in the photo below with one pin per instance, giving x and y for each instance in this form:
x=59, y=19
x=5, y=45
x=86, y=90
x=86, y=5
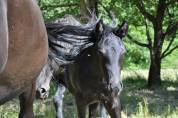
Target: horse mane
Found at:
x=67, y=38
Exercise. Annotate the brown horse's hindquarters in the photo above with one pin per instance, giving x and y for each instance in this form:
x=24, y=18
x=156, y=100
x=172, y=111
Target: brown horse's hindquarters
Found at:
x=8, y=93
x=3, y=35
x=28, y=44
x=10, y=90
x=27, y=50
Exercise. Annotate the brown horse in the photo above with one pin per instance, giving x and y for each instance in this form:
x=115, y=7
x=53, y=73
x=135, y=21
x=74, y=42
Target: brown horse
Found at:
x=23, y=51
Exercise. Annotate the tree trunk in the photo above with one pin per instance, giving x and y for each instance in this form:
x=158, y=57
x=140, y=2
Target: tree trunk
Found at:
x=87, y=6
x=154, y=77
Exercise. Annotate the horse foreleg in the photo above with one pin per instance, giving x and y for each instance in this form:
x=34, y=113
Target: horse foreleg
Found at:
x=113, y=107
x=81, y=106
x=93, y=110
x=26, y=102
x=58, y=100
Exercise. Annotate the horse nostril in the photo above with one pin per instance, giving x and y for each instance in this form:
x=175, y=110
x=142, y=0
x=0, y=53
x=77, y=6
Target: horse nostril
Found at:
x=121, y=85
x=43, y=90
x=116, y=89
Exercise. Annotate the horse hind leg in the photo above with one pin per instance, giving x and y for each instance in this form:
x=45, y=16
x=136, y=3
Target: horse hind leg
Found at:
x=93, y=110
x=26, y=102
x=58, y=100
x=3, y=35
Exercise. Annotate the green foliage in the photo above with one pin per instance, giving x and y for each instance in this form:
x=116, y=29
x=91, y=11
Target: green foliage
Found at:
x=136, y=57
x=127, y=10
x=53, y=9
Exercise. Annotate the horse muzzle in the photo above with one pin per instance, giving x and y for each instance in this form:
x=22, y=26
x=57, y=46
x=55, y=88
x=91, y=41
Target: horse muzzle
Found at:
x=42, y=93
x=116, y=88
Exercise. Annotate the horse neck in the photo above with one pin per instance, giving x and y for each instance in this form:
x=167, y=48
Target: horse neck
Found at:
x=91, y=63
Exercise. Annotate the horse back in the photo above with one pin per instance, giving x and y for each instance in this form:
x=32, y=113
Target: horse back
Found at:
x=27, y=50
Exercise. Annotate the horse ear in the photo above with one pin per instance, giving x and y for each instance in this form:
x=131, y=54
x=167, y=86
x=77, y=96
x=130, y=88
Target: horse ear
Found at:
x=99, y=27
x=98, y=30
x=122, y=30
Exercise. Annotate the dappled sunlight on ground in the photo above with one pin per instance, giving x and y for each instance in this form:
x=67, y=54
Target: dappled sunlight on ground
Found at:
x=161, y=102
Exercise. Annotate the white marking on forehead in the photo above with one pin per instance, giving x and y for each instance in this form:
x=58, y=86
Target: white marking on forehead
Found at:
x=120, y=44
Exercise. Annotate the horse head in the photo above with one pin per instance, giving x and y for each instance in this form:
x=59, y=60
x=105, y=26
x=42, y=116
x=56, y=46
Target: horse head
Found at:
x=109, y=50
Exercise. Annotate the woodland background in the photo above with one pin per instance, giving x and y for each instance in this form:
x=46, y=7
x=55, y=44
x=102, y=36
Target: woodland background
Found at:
x=150, y=72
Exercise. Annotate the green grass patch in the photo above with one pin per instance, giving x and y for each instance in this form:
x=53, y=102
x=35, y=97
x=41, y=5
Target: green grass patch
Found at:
x=137, y=100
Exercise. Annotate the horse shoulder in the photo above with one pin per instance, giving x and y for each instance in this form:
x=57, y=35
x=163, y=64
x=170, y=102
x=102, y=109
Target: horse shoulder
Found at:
x=3, y=34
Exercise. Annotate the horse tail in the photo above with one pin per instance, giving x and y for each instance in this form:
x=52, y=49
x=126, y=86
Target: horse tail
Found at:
x=3, y=35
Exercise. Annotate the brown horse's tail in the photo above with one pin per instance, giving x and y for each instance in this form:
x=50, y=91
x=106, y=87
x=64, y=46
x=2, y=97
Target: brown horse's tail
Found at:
x=3, y=34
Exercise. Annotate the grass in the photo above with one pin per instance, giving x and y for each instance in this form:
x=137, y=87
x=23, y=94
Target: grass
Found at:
x=140, y=102
x=136, y=99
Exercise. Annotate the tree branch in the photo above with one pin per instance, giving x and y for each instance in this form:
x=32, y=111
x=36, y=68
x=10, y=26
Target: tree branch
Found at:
x=169, y=52
x=141, y=7
x=137, y=42
x=107, y=10
x=148, y=34
x=172, y=28
x=168, y=47
x=172, y=2
x=57, y=6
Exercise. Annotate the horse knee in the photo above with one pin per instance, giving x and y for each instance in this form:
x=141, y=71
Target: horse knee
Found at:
x=58, y=106
x=58, y=98
x=58, y=101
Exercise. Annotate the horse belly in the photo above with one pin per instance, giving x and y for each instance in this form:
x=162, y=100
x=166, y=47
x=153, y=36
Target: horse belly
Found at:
x=28, y=48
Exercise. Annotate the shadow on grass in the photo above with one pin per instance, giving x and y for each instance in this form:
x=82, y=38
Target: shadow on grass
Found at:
x=159, y=102
x=135, y=99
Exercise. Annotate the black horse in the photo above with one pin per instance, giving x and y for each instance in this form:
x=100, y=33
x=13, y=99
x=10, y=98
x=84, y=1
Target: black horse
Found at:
x=93, y=77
